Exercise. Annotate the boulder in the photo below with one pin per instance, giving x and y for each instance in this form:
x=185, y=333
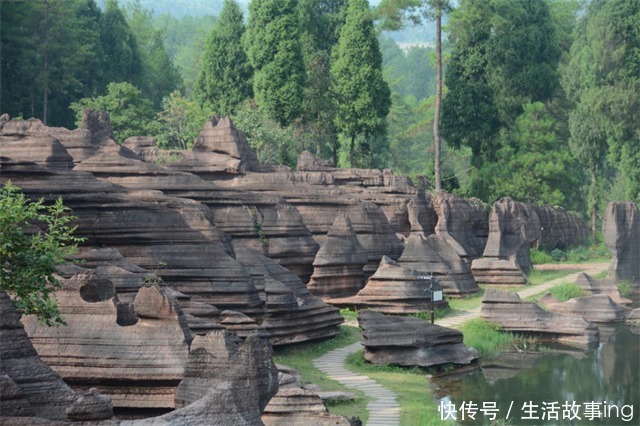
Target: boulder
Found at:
x=29, y=387
x=621, y=228
x=433, y=255
x=597, y=308
x=508, y=311
x=409, y=341
x=513, y=227
x=604, y=286
x=338, y=266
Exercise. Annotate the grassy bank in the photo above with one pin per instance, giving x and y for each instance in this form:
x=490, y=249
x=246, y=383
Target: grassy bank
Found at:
x=301, y=358
x=489, y=339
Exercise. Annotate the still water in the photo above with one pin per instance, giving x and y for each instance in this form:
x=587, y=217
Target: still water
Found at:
x=601, y=387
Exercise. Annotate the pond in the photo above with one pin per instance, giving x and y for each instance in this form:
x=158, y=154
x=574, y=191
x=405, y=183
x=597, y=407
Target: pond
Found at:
x=550, y=388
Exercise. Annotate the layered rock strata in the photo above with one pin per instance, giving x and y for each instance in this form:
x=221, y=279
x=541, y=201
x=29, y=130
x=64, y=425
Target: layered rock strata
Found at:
x=621, y=228
x=394, y=289
x=138, y=360
x=597, y=308
x=513, y=227
x=28, y=387
x=338, y=266
x=433, y=255
x=560, y=229
x=411, y=341
x=605, y=286
x=512, y=314
x=299, y=407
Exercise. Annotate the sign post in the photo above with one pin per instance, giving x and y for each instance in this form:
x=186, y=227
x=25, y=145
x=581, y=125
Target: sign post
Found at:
x=436, y=295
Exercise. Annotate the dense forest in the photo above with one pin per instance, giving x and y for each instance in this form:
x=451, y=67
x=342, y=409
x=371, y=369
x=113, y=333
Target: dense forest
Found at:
x=540, y=100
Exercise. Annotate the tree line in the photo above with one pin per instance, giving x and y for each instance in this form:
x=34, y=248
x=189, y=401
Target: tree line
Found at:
x=539, y=100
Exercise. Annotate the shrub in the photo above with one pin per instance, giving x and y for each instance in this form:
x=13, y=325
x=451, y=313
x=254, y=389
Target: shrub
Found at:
x=539, y=257
x=566, y=291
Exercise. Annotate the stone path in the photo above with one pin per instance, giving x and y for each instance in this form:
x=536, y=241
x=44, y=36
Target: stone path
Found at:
x=383, y=408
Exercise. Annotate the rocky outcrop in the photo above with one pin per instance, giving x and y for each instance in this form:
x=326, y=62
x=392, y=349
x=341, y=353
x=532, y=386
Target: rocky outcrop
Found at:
x=621, y=228
x=513, y=227
x=28, y=387
x=411, y=341
x=310, y=163
x=462, y=224
x=293, y=314
x=596, y=308
x=299, y=407
x=338, y=266
x=394, y=289
x=135, y=353
x=560, y=229
x=512, y=314
x=605, y=286
x=433, y=255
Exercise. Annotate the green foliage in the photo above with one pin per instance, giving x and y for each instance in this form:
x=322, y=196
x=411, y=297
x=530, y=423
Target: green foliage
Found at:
x=438, y=313
x=272, y=143
x=566, y=291
x=224, y=81
x=487, y=338
x=159, y=76
x=539, y=257
x=51, y=55
x=122, y=60
x=258, y=225
x=349, y=315
x=320, y=25
x=180, y=122
x=272, y=41
x=625, y=287
x=363, y=97
x=34, y=239
x=130, y=113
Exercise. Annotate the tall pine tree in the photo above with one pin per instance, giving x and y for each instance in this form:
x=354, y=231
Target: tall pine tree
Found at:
x=363, y=97
x=273, y=45
x=122, y=60
x=225, y=77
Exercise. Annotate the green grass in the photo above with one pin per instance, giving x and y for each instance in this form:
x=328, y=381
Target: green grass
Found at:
x=625, y=287
x=566, y=291
x=581, y=254
x=349, y=314
x=537, y=277
x=301, y=358
x=601, y=275
x=417, y=407
x=487, y=338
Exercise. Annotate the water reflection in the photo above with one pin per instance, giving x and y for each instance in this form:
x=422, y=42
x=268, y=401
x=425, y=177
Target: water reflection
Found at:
x=600, y=383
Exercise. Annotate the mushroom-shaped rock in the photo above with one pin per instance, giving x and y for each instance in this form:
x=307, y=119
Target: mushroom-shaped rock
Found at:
x=507, y=310
x=604, y=286
x=411, y=341
x=434, y=255
x=597, y=308
x=299, y=407
x=338, y=264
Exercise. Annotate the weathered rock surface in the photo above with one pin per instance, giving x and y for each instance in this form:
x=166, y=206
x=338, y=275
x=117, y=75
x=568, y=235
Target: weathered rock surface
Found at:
x=299, y=407
x=621, y=228
x=513, y=227
x=605, y=286
x=28, y=387
x=138, y=361
x=462, y=224
x=411, y=341
x=394, y=289
x=434, y=255
x=597, y=308
x=507, y=310
x=338, y=266
x=560, y=229
x=310, y=163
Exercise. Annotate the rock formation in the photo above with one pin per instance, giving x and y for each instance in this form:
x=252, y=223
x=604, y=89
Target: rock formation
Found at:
x=513, y=227
x=560, y=229
x=621, y=228
x=512, y=314
x=434, y=255
x=338, y=266
x=409, y=341
x=28, y=387
x=299, y=407
x=394, y=289
x=605, y=286
x=597, y=308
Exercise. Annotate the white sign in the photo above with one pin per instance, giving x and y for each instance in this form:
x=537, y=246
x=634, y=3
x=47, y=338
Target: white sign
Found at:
x=437, y=295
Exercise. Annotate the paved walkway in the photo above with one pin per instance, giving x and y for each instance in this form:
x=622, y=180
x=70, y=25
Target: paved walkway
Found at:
x=383, y=408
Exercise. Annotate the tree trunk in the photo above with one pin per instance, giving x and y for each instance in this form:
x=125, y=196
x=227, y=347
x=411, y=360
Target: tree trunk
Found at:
x=593, y=204
x=436, y=118
x=352, y=151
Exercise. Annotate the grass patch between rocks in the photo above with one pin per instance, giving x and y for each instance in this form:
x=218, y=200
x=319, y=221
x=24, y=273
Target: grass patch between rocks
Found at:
x=489, y=339
x=301, y=358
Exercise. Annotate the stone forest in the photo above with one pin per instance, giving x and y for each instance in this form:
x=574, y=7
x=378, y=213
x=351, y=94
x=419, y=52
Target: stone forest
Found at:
x=200, y=270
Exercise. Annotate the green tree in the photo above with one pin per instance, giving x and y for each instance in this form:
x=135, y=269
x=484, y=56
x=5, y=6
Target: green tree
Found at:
x=130, y=113
x=50, y=56
x=224, y=81
x=272, y=41
x=122, y=61
x=363, y=97
x=159, y=76
x=180, y=122
x=320, y=24
x=29, y=254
